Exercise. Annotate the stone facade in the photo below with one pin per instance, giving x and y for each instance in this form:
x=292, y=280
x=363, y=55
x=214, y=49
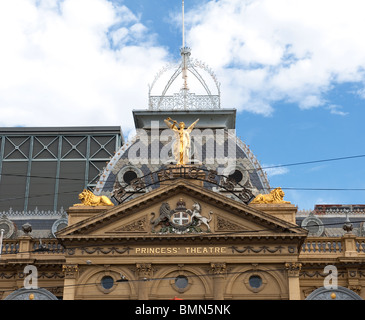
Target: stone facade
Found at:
x=248, y=252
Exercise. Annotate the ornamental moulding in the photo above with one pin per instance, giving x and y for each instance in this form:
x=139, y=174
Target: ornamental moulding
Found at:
x=263, y=249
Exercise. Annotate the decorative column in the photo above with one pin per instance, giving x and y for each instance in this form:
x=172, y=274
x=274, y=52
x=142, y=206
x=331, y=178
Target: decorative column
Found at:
x=293, y=269
x=144, y=273
x=353, y=280
x=349, y=245
x=219, y=271
x=25, y=247
x=71, y=272
x=25, y=242
x=350, y=251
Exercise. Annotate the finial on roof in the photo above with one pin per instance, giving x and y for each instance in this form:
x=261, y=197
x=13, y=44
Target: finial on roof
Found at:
x=347, y=225
x=27, y=228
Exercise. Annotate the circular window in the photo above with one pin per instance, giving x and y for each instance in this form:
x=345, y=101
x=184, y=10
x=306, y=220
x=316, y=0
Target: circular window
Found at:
x=107, y=282
x=7, y=226
x=181, y=282
x=129, y=176
x=59, y=225
x=255, y=281
x=236, y=176
x=312, y=226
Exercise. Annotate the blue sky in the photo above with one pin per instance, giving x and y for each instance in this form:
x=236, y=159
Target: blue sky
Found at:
x=294, y=70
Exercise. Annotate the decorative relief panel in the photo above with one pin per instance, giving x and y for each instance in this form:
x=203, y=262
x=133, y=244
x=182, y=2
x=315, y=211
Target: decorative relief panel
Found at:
x=223, y=224
x=138, y=225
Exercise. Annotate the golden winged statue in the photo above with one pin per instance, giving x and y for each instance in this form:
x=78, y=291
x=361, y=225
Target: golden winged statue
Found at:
x=181, y=148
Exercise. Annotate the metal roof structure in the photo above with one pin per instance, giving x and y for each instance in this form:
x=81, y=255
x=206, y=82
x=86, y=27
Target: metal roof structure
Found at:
x=43, y=168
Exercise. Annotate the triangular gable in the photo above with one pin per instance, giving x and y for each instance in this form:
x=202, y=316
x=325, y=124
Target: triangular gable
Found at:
x=140, y=216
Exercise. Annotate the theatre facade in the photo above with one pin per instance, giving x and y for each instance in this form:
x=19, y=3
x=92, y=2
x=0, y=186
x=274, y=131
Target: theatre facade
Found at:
x=181, y=240
x=183, y=210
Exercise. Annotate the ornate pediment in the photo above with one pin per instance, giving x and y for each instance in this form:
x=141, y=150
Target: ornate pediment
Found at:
x=178, y=209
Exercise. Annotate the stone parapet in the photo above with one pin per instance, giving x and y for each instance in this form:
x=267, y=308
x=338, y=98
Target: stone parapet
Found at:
x=79, y=213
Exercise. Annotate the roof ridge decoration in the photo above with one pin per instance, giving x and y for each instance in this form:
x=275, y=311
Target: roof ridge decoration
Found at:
x=34, y=213
x=184, y=99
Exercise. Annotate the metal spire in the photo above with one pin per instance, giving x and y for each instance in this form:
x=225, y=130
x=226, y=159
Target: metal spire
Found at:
x=183, y=25
x=184, y=100
x=185, y=53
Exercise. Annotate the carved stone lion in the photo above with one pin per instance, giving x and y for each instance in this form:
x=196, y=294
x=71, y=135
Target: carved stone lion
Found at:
x=87, y=198
x=165, y=212
x=275, y=196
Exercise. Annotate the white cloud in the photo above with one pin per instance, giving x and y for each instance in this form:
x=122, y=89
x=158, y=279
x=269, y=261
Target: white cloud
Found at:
x=335, y=109
x=361, y=92
x=73, y=62
x=274, y=170
x=292, y=50
x=89, y=62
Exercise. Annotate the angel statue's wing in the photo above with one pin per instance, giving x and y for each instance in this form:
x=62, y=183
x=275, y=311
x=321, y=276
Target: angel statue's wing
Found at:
x=191, y=127
x=169, y=124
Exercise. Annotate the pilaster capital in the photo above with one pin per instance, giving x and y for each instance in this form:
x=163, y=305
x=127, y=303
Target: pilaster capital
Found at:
x=218, y=268
x=70, y=270
x=293, y=268
x=144, y=270
x=356, y=289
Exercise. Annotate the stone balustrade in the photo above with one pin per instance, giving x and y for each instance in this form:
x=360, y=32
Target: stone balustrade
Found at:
x=333, y=246
x=27, y=246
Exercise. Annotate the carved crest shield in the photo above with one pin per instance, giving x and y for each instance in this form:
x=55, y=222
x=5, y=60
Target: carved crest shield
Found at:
x=180, y=219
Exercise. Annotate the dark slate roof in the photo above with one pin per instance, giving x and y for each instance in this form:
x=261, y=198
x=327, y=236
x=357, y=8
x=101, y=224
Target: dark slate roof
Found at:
x=333, y=217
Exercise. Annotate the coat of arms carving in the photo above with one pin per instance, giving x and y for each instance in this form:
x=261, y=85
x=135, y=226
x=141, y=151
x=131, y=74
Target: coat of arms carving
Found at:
x=181, y=219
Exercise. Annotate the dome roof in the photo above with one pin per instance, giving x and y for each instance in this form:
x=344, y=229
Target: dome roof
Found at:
x=144, y=157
